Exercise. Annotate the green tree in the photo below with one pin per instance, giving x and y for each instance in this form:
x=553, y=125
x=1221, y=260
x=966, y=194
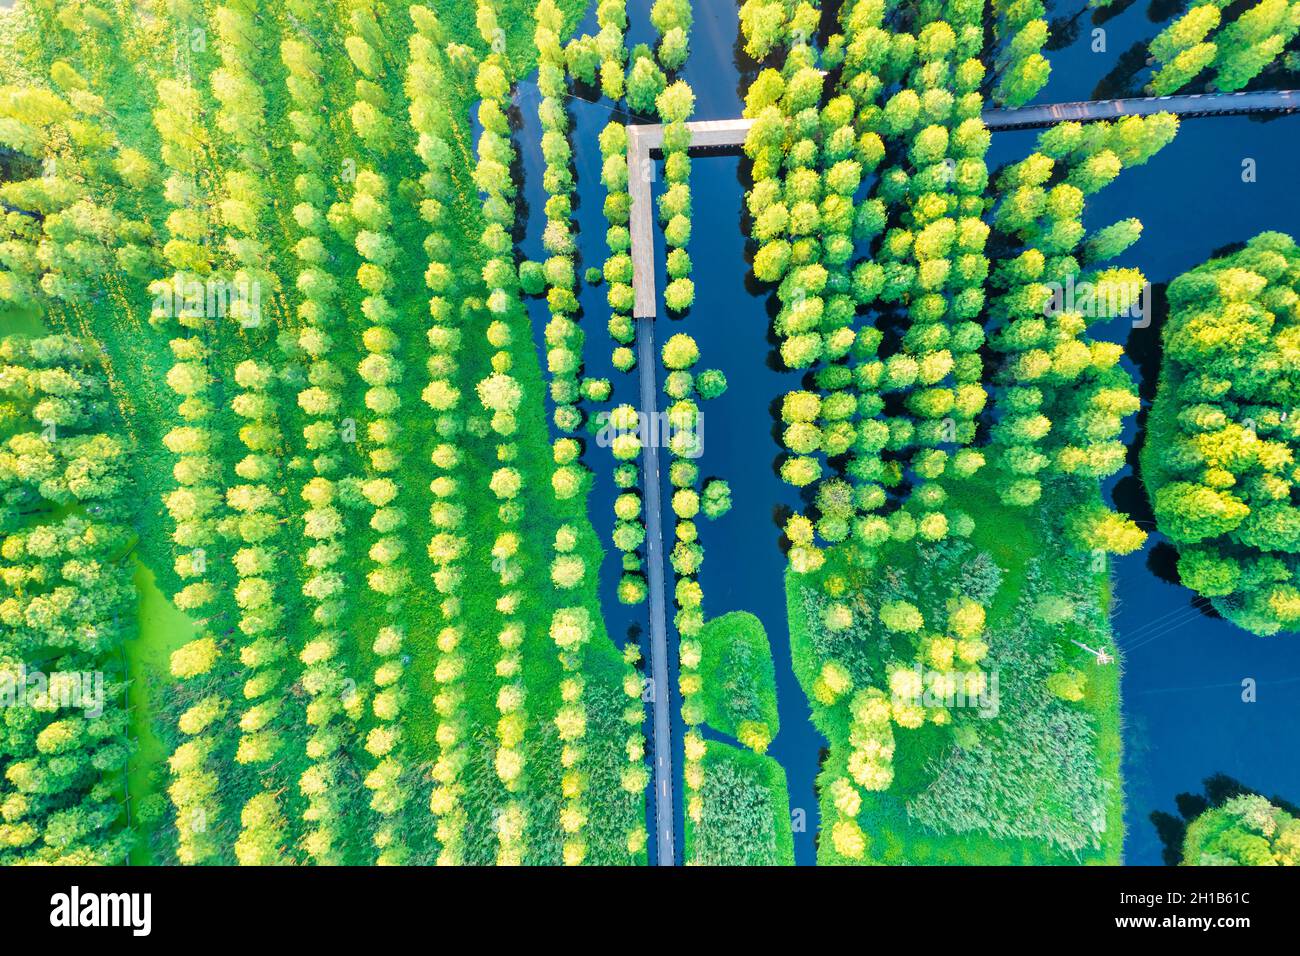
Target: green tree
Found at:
x=1185, y=32
x=644, y=84
x=1246, y=830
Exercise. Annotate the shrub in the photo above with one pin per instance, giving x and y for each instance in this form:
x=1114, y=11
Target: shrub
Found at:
x=624, y=359
x=1068, y=684
x=686, y=503
x=680, y=352
x=901, y=616
x=680, y=294
x=717, y=498
x=1246, y=830
x=711, y=383
x=532, y=278
x=632, y=589
x=194, y=659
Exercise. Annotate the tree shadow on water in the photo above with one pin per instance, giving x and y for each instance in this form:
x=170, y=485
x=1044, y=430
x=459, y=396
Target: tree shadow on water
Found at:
x=1122, y=81
x=1063, y=31
x=1110, y=11
x=1162, y=561
x=1161, y=10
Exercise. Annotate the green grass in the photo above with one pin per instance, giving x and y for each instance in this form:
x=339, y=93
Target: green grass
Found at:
x=161, y=630
x=739, y=681
x=1019, y=541
x=746, y=818
x=14, y=322
x=745, y=798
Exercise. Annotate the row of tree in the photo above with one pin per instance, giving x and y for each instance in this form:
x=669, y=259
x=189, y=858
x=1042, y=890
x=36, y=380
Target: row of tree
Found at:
x=683, y=386
x=622, y=425
x=501, y=395
x=262, y=590
x=427, y=72
x=1234, y=53
x=571, y=627
x=201, y=449
x=331, y=711
x=1062, y=395
x=379, y=220
x=793, y=219
x=1021, y=69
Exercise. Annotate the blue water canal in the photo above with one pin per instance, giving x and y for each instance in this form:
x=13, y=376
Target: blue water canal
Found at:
x=1184, y=717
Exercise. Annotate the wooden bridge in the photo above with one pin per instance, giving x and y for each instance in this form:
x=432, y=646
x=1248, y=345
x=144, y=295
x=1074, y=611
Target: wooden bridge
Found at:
x=1188, y=106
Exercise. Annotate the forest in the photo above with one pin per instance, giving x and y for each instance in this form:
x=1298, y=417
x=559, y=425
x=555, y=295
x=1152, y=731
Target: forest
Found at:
x=266, y=274
x=329, y=479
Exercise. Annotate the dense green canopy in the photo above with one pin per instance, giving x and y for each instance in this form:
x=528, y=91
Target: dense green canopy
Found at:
x=1220, y=461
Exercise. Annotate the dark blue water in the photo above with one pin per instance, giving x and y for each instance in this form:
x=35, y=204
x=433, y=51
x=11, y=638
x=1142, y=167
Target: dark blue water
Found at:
x=1101, y=53
x=1184, y=718
x=1183, y=705
x=743, y=566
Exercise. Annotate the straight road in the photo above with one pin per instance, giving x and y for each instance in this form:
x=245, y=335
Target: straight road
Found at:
x=1192, y=104
x=647, y=362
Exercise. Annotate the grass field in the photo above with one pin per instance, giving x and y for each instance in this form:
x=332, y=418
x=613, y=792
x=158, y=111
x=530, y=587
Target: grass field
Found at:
x=1031, y=560
x=162, y=629
x=746, y=819
x=738, y=677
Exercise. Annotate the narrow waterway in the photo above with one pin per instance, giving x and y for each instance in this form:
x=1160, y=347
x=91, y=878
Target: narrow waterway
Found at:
x=744, y=568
